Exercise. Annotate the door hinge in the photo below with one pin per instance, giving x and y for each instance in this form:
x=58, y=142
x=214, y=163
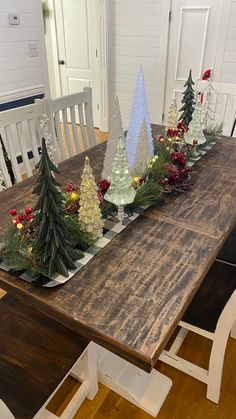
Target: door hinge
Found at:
x=170, y=15
x=162, y=117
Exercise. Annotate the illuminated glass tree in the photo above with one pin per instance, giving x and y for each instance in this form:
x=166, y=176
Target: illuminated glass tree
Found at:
x=51, y=236
x=172, y=120
x=90, y=216
x=139, y=113
x=195, y=133
x=121, y=191
x=142, y=156
x=116, y=130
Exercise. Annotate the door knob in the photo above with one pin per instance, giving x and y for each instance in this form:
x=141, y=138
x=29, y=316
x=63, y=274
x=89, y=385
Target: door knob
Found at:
x=61, y=62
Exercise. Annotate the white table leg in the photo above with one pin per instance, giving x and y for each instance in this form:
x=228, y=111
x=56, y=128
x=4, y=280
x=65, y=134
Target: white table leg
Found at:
x=147, y=391
x=233, y=331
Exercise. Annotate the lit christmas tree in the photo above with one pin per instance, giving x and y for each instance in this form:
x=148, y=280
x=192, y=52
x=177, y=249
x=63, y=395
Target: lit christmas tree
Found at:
x=139, y=113
x=90, y=216
x=188, y=101
x=142, y=156
x=51, y=243
x=116, y=129
x=172, y=120
x=195, y=135
x=121, y=191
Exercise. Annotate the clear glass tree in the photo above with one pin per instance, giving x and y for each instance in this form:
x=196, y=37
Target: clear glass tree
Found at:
x=142, y=156
x=195, y=135
x=116, y=129
x=121, y=191
x=90, y=216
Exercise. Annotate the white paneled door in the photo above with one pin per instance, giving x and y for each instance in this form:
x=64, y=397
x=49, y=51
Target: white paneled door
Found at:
x=79, y=48
x=193, y=36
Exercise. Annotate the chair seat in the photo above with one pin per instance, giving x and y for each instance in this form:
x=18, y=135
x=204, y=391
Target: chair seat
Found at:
x=228, y=251
x=35, y=354
x=212, y=296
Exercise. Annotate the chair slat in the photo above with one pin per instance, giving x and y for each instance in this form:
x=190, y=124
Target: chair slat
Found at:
x=4, y=170
x=8, y=140
x=67, y=132
x=223, y=108
x=20, y=133
x=35, y=141
x=82, y=127
x=74, y=129
x=89, y=117
x=59, y=136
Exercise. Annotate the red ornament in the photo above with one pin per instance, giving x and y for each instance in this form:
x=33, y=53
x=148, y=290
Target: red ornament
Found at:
x=28, y=217
x=28, y=210
x=13, y=211
x=20, y=217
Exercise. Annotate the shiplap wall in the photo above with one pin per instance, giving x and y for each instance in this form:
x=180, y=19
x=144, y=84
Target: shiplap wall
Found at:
x=134, y=38
x=20, y=74
x=228, y=72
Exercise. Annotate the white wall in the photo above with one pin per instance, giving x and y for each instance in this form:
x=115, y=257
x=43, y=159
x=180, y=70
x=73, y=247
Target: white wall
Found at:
x=135, y=37
x=228, y=69
x=21, y=75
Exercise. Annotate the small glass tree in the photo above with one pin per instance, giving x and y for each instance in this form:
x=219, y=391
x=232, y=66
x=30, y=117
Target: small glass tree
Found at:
x=90, y=216
x=142, y=155
x=121, y=191
x=172, y=120
x=188, y=102
x=195, y=135
x=51, y=237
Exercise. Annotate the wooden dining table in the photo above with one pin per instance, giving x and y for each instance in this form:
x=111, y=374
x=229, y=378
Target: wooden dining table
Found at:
x=131, y=295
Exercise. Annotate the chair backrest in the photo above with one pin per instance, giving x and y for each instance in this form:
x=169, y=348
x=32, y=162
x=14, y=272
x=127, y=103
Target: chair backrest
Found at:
x=5, y=180
x=21, y=133
x=64, y=114
x=5, y=412
x=223, y=101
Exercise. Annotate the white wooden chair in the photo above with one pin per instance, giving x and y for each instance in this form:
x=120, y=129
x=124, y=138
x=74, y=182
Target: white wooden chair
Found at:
x=223, y=99
x=64, y=114
x=21, y=134
x=5, y=180
x=4, y=411
x=222, y=293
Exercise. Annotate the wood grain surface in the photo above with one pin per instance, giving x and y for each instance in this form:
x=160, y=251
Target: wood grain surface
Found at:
x=35, y=355
x=130, y=297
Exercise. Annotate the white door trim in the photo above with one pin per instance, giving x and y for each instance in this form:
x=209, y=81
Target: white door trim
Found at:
x=165, y=28
x=102, y=57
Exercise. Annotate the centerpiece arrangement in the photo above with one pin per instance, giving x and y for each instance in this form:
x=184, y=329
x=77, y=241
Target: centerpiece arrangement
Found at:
x=57, y=236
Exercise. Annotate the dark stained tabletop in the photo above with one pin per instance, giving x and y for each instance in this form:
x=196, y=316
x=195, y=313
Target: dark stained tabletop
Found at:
x=130, y=297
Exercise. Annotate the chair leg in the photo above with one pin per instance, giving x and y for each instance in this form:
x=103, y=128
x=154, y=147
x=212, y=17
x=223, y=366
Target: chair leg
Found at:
x=233, y=331
x=215, y=371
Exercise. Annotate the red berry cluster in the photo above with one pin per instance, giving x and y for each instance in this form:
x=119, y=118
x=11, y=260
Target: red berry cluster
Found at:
x=23, y=218
x=70, y=188
x=103, y=186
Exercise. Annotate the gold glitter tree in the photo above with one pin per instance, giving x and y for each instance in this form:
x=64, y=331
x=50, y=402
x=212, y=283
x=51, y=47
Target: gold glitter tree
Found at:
x=172, y=120
x=89, y=211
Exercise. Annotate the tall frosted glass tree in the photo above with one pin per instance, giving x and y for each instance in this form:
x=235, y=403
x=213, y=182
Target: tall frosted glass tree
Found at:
x=138, y=114
x=116, y=130
x=142, y=155
x=51, y=236
x=90, y=216
x=121, y=191
x=188, y=101
x=195, y=132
